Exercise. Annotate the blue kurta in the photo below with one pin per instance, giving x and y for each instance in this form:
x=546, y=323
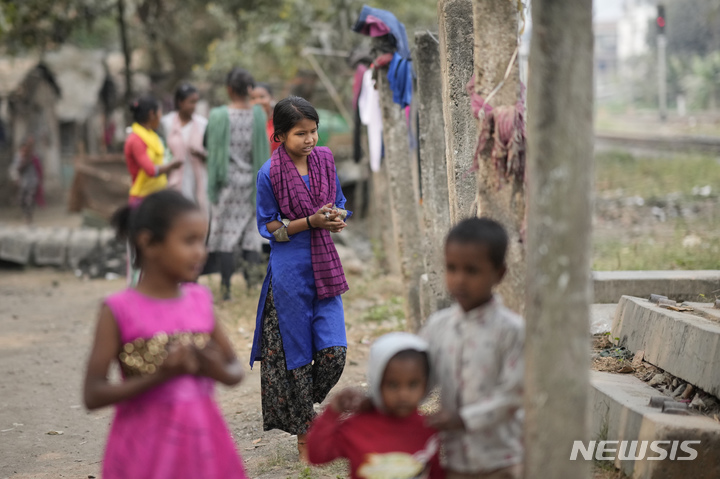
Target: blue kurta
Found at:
x=307, y=324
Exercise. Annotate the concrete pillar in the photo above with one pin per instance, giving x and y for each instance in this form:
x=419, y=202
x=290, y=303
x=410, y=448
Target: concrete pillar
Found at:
x=403, y=178
x=433, y=171
x=560, y=166
x=498, y=197
x=455, y=19
x=381, y=223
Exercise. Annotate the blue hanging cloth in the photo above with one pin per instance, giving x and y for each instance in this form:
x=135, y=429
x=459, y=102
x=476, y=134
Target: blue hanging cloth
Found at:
x=375, y=22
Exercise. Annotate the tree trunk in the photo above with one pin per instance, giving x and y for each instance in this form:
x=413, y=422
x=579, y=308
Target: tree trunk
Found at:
x=126, y=53
x=559, y=231
x=498, y=197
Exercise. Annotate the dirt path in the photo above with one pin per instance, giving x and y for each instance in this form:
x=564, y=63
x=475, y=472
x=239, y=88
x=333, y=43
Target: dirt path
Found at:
x=46, y=326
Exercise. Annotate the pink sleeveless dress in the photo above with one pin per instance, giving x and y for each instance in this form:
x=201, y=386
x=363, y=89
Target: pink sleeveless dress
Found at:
x=174, y=430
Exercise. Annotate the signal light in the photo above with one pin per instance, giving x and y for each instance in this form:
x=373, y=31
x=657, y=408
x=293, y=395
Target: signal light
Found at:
x=661, y=19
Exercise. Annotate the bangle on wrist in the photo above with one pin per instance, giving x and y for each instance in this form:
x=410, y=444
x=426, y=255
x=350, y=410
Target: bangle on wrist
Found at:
x=307, y=218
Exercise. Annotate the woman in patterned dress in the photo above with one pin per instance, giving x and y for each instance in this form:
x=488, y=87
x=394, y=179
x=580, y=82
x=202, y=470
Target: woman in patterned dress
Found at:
x=237, y=146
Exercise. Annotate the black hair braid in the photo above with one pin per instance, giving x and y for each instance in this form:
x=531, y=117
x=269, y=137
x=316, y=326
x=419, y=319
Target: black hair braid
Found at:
x=155, y=215
x=141, y=108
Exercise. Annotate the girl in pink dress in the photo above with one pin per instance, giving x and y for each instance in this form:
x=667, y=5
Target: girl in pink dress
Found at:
x=171, y=351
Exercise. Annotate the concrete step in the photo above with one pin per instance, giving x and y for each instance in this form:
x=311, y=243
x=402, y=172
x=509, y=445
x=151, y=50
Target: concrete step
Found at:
x=610, y=286
x=685, y=345
x=620, y=412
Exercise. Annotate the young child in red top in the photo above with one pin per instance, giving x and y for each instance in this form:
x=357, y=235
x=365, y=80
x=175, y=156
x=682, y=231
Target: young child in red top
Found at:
x=386, y=436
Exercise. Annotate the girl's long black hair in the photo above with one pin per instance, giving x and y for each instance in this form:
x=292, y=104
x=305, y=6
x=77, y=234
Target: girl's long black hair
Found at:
x=142, y=107
x=289, y=112
x=155, y=215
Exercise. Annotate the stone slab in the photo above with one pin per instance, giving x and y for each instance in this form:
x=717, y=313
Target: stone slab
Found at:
x=16, y=244
x=619, y=411
x=51, y=246
x=83, y=242
x=678, y=285
x=683, y=344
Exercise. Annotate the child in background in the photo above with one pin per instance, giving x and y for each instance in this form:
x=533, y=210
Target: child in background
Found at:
x=476, y=356
x=27, y=172
x=171, y=351
x=389, y=438
x=263, y=95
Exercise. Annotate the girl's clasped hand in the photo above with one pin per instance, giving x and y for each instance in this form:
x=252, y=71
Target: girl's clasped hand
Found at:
x=328, y=218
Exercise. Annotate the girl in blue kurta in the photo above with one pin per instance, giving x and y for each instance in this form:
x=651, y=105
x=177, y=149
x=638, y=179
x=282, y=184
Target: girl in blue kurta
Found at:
x=300, y=332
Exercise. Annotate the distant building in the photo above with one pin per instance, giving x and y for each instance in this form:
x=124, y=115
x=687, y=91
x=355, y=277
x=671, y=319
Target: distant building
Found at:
x=633, y=47
x=633, y=28
x=605, y=59
x=88, y=95
x=29, y=94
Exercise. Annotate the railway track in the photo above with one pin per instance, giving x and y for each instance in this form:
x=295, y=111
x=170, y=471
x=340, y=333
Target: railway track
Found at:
x=657, y=143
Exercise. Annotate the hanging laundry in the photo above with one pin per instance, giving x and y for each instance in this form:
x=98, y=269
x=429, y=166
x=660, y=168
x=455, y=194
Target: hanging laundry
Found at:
x=371, y=117
x=375, y=22
x=400, y=77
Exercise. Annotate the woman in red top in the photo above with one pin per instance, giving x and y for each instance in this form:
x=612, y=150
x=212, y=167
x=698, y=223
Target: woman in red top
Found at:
x=144, y=151
x=144, y=156
x=262, y=95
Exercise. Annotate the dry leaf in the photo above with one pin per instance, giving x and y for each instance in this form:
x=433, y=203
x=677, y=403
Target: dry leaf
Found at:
x=626, y=369
x=257, y=441
x=637, y=360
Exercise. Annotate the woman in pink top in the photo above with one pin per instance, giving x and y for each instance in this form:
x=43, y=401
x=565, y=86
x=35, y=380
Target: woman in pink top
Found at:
x=171, y=352
x=184, y=130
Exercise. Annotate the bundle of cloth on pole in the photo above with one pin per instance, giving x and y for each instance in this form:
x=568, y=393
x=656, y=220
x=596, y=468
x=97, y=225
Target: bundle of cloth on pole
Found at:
x=390, y=49
x=383, y=25
x=506, y=125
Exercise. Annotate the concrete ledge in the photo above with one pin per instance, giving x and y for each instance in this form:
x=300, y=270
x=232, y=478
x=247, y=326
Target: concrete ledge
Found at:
x=51, y=246
x=83, y=241
x=620, y=412
x=678, y=285
x=16, y=244
x=685, y=345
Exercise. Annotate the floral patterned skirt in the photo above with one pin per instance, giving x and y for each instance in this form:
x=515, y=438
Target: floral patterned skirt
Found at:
x=288, y=396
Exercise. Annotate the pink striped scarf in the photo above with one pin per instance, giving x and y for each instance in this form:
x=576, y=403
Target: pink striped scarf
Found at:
x=296, y=201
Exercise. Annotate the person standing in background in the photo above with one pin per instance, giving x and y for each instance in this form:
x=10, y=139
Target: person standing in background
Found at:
x=263, y=95
x=237, y=146
x=27, y=172
x=144, y=156
x=184, y=131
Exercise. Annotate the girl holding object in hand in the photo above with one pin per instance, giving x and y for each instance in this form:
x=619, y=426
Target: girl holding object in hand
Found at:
x=171, y=352
x=300, y=331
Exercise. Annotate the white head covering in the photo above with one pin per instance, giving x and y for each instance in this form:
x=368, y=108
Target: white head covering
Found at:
x=382, y=350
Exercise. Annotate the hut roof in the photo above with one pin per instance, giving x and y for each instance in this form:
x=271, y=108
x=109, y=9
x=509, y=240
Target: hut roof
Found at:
x=81, y=75
x=13, y=70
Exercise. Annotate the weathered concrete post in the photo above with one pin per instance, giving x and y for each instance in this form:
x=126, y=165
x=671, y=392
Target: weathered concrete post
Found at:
x=498, y=196
x=433, y=172
x=455, y=18
x=559, y=231
x=381, y=224
x=404, y=189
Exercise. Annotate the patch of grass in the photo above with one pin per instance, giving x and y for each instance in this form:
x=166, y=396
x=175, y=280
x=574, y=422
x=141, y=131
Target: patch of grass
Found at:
x=648, y=253
x=392, y=309
x=653, y=177
x=277, y=459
